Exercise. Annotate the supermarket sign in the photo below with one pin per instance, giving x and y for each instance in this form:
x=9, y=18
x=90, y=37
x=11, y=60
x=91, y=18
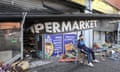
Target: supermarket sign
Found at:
x=63, y=26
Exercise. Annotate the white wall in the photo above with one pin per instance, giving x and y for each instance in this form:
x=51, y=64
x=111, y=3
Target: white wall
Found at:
x=96, y=36
x=99, y=37
x=88, y=34
x=88, y=37
x=103, y=37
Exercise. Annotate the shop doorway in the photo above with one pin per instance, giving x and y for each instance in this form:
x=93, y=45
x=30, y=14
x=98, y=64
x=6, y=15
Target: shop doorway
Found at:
x=32, y=46
x=39, y=51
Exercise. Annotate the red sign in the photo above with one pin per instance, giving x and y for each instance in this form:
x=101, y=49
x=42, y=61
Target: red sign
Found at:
x=115, y=3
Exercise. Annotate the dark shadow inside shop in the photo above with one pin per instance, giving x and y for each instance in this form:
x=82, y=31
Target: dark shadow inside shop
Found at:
x=32, y=43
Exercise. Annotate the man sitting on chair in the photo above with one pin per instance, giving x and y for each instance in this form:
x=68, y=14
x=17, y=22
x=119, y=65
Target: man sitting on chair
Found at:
x=88, y=51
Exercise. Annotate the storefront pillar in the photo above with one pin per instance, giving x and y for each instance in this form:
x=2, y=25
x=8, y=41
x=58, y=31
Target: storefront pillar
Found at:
x=21, y=37
x=118, y=33
x=88, y=34
x=43, y=46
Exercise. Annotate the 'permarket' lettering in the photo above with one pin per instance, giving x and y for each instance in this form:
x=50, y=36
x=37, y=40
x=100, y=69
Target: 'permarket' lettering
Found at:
x=64, y=26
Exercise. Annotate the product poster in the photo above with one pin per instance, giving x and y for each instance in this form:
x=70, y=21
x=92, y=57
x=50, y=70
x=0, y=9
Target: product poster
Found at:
x=53, y=44
x=69, y=40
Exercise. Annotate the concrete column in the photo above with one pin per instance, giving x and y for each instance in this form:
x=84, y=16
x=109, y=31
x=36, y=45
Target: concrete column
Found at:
x=88, y=34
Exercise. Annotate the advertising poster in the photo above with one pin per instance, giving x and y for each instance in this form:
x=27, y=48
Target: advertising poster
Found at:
x=53, y=44
x=69, y=40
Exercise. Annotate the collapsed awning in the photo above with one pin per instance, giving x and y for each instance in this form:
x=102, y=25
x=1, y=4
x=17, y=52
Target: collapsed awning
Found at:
x=34, y=16
x=58, y=20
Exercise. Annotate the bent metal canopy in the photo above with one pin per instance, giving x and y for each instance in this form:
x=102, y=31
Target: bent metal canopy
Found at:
x=51, y=23
x=18, y=16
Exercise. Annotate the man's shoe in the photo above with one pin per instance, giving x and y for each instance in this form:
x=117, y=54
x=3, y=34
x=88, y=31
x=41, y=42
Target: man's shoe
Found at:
x=90, y=64
x=96, y=61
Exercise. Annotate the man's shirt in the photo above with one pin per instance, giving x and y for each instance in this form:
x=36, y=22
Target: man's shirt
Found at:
x=81, y=44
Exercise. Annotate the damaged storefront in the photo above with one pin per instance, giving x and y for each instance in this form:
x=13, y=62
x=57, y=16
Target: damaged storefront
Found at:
x=46, y=36
x=54, y=35
x=44, y=29
x=57, y=36
x=50, y=20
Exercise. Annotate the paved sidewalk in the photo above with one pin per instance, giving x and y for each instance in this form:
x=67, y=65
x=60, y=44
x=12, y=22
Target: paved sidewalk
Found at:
x=38, y=63
x=103, y=66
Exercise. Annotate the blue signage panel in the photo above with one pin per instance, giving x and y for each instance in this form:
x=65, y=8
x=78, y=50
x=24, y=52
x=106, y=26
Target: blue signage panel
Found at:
x=53, y=44
x=69, y=40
